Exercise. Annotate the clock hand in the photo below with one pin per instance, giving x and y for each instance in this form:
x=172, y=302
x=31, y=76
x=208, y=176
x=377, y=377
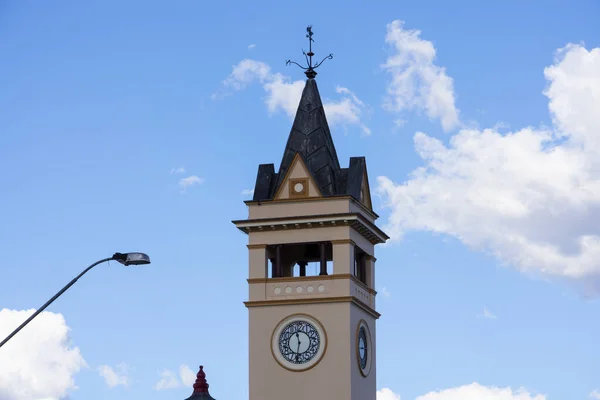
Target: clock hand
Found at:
x=298, y=350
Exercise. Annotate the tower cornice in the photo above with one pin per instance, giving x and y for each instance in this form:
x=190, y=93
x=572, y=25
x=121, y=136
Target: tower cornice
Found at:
x=355, y=220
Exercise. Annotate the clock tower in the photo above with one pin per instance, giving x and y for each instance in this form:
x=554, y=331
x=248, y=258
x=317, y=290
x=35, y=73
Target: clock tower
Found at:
x=311, y=232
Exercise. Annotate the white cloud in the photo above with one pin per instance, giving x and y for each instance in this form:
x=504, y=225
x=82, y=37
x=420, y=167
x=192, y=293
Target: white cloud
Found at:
x=487, y=314
x=399, y=123
x=346, y=111
x=251, y=46
x=188, y=377
x=248, y=192
x=170, y=380
x=43, y=361
x=387, y=394
x=179, y=170
x=190, y=181
x=476, y=391
x=473, y=391
x=574, y=94
x=284, y=95
x=385, y=292
x=115, y=376
x=530, y=197
x=595, y=394
x=246, y=72
x=417, y=83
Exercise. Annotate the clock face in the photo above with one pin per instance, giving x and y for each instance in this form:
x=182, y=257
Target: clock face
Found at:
x=364, y=352
x=299, y=342
x=298, y=187
x=363, y=349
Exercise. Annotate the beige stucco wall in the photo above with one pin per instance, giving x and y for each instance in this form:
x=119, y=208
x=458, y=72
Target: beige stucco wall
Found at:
x=356, y=208
x=303, y=207
x=257, y=263
x=298, y=208
x=335, y=377
x=363, y=388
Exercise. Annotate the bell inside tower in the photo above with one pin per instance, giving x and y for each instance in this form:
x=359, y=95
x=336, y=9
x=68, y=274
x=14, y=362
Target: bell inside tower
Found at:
x=300, y=259
x=311, y=259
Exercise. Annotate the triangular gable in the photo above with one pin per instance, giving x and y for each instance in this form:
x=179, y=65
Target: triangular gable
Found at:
x=297, y=182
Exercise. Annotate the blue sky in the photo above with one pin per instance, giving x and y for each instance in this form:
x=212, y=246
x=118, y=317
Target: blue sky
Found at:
x=481, y=140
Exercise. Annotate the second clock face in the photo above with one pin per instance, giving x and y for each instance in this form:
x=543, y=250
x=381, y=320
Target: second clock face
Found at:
x=364, y=353
x=299, y=342
x=363, y=347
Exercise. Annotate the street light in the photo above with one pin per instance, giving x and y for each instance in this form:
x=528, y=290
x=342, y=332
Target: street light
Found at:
x=131, y=258
x=123, y=258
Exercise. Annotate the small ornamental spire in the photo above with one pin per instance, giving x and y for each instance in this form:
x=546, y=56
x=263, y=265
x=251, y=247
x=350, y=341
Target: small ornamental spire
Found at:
x=310, y=70
x=200, y=387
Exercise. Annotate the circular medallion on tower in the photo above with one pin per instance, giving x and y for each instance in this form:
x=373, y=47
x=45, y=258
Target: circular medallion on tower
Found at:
x=363, y=348
x=298, y=187
x=298, y=342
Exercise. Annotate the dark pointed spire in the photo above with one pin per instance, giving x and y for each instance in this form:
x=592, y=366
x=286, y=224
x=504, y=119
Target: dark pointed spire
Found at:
x=200, y=387
x=311, y=138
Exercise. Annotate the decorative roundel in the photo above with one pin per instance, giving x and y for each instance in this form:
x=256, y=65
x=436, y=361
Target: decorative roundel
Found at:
x=363, y=348
x=299, y=187
x=298, y=342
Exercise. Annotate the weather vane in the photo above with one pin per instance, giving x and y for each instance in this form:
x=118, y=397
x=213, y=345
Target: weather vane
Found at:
x=310, y=70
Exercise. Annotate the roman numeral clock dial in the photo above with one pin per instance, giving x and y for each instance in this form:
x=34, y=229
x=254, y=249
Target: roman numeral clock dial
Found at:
x=298, y=342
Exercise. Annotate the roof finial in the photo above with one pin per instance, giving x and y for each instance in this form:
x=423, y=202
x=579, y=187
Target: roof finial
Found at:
x=200, y=387
x=310, y=70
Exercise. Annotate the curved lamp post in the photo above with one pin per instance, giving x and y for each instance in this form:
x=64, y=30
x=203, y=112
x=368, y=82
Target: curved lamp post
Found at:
x=123, y=258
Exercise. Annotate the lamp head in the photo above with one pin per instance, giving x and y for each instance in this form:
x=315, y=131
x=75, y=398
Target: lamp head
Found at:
x=131, y=258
